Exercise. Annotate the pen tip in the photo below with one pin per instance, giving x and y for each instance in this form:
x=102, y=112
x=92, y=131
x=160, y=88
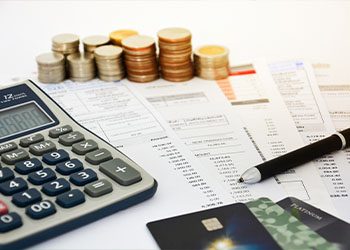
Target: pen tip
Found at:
x=240, y=180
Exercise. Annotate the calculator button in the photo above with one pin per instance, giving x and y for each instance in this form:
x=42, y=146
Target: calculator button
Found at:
x=69, y=167
x=6, y=174
x=98, y=188
x=9, y=221
x=28, y=166
x=98, y=156
x=83, y=177
x=13, y=186
x=41, y=209
x=84, y=147
x=120, y=171
x=26, y=198
x=56, y=187
x=14, y=156
x=41, y=148
x=56, y=132
x=52, y=158
x=71, y=198
x=71, y=138
x=7, y=147
x=25, y=142
x=42, y=176
x=3, y=208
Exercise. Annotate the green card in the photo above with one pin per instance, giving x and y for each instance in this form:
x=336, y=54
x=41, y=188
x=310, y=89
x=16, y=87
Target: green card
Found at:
x=287, y=230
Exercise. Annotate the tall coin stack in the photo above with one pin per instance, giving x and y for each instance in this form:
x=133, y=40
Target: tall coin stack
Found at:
x=81, y=67
x=175, y=54
x=51, y=67
x=92, y=42
x=140, y=58
x=211, y=62
x=65, y=44
x=109, y=63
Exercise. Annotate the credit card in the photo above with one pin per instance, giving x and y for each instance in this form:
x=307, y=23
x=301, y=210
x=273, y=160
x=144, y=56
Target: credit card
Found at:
x=331, y=228
x=287, y=230
x=228, y=227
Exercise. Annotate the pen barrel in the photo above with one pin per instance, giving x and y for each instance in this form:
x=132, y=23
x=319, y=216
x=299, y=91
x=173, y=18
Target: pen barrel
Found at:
x=302, y=155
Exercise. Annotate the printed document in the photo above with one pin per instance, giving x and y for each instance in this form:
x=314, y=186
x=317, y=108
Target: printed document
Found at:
x=125, y=119
x=265, y=119
x=298, y=87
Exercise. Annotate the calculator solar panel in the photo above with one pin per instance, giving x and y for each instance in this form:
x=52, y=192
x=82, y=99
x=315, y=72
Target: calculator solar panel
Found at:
x=56, y=175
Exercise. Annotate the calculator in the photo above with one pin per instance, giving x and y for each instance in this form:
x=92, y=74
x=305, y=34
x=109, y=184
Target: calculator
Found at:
x=55, y=174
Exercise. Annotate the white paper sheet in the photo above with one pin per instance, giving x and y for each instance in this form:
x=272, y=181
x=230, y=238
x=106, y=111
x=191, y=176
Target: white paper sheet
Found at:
x=121, y=116
x=298, y=87
x=262, y=110
x=253, y=95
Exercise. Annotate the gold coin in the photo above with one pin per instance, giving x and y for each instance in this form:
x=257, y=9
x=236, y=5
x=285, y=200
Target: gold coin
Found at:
x=211, y=51
x=174, y=35
x=118, y=35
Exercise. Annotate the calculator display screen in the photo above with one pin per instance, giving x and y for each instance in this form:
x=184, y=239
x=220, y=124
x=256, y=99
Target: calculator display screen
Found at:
x=22, y=118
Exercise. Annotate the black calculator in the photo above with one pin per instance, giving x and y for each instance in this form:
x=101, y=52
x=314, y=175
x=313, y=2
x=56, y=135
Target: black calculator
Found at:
x=56, y=175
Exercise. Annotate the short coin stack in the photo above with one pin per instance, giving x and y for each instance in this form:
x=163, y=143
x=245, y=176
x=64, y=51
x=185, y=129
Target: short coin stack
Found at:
x=140, y=58
x=65, y=44
x=81, y=67
x=211, y=62
x=118, y=35
x=92, y=42
x=109, y=63
x=51, y=67
x=175, y=53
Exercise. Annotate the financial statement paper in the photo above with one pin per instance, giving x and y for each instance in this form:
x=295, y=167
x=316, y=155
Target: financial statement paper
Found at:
x=125, y=119
x=251, y=96
x=297, y=84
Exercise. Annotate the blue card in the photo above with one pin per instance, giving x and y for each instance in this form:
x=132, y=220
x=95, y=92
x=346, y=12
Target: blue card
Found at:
x=227, y=227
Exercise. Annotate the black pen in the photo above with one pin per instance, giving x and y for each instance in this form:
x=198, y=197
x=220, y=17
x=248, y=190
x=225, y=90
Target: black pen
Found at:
x=297, y=157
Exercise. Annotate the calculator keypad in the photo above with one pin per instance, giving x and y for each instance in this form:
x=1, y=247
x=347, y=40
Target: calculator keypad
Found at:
x=57, y=178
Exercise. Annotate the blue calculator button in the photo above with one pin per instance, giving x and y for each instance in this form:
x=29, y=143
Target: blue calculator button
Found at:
x=69, y=167
x=6, y=174
x=28, y=166
x=13, y=186
x=52, y=158
x=42, y=176
x=10, y=221
x=56, y=187
x=71, y=198
x=41, y=209
x=27, y=197
x=83, y=177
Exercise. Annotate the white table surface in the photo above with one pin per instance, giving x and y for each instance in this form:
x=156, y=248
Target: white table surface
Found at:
x=276, y=30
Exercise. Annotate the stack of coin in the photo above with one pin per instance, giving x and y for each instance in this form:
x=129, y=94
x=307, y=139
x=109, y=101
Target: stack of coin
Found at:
x=211, y=62
x=109, y=63
x=92, y=42
x=81, y=67
x=51, y=67
x=65, y=43
x=175, y=54
x=118, y=35
x=140, y=58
